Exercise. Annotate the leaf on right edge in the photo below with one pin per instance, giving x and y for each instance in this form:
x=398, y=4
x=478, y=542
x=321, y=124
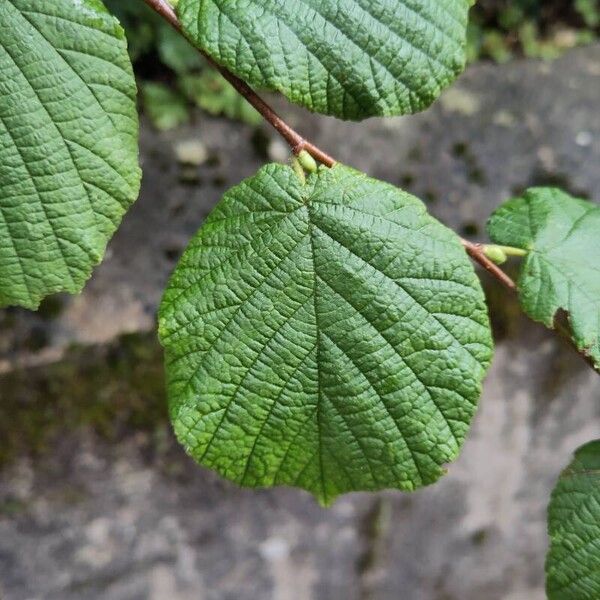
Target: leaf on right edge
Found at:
x=573, y=562
x=562, y=269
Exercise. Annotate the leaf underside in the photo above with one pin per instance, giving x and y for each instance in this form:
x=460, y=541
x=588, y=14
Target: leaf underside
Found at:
x=68, y=144
x=331, y=336
x=562, y=269
x=573, y=562
x=348, y=58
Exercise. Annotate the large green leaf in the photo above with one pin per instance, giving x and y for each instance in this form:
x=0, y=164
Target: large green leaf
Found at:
x=68, y=143
x=331, y=336
x=562, y=269
x=573, y=563
x=348, y=58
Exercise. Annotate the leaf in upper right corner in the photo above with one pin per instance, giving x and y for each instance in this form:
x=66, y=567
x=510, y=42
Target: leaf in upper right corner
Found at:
x=562, y=269
x=573, y=561
x=349, y=58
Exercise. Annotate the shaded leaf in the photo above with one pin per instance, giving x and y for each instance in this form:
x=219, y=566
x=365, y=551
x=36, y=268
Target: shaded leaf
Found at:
x=68, y=144
x=213, y=93
x=176, y=52
x=165, y=107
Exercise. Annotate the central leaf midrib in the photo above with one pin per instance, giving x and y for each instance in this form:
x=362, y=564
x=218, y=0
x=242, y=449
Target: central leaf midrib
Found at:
x=318, y=343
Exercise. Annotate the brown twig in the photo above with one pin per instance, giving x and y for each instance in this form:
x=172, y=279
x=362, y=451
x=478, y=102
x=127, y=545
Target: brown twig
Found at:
x=476, y=252
x=296, y=142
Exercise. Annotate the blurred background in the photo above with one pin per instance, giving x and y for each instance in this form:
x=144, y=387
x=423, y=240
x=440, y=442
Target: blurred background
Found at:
x=97, y=501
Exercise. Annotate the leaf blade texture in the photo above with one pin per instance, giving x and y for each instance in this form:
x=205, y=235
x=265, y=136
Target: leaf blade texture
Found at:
x=68, y=144
x=331, y=336
x=348, y=58
x=561, y=270
x=573, y=561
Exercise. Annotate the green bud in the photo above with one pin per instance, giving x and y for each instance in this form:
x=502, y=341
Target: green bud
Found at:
x=307, y=161
x=496, y=254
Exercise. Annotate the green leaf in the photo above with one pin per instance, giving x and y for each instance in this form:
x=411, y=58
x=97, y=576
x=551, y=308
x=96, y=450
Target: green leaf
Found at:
x=561, y=271
x=213, y=93
x=68, y=144
x=141, y=25
x=349, y=58
x=165, y=107
x=176, y=52
x=573, y=562
x=331, y=336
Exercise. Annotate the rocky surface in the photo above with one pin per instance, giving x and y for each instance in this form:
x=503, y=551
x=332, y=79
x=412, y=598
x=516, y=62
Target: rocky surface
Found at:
x=98, y=502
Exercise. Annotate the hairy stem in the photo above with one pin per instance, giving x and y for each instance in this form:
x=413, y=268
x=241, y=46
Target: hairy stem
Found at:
x=296, y=142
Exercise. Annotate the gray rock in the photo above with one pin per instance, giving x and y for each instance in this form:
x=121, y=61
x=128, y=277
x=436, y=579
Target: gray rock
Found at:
x=133, y=518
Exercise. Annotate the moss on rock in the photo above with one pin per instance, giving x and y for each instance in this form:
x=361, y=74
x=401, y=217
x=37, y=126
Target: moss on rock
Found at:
x=110, y=389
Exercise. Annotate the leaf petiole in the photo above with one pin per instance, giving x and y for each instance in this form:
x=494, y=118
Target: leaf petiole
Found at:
x=500, y=254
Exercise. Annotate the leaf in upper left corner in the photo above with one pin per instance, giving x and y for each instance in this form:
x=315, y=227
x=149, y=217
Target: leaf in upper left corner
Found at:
x=561, y=271
x=68, y=144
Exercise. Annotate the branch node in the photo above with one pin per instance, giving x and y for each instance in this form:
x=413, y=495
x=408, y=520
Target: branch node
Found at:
x=477, y=253
x=299, y=147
